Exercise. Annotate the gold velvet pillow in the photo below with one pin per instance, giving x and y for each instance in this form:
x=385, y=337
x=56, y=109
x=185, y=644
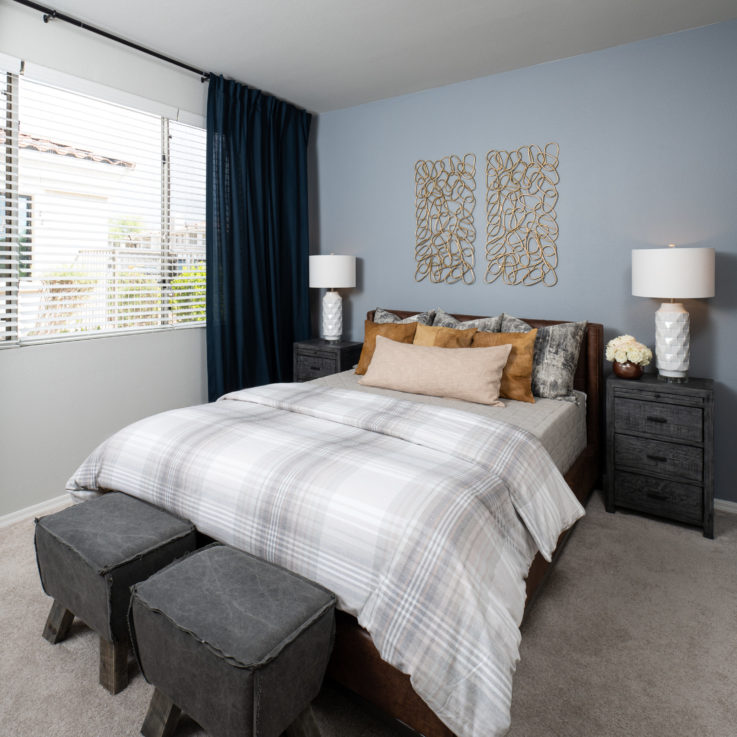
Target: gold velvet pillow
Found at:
x=463, y=373
x=401, y=332
x=517, y=374
x=443, y=337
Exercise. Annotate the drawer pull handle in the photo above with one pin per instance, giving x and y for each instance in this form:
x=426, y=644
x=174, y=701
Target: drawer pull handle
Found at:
x=658, y=497
x=652, y=418
x=314, y=368
x=659, y=459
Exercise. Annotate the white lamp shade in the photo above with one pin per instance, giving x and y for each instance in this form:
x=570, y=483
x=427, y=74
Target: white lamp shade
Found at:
x=333, y=271
x=673, y=273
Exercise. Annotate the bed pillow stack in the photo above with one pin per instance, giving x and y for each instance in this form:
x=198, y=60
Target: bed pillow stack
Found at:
x=541, y=361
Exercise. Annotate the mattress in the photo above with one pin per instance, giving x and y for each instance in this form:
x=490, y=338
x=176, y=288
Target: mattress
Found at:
x=560, y=426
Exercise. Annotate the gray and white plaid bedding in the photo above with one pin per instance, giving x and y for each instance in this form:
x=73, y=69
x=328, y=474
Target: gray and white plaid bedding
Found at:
x=423, y=520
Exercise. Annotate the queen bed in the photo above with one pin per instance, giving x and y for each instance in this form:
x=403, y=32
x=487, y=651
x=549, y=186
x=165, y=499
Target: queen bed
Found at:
x=423, y=517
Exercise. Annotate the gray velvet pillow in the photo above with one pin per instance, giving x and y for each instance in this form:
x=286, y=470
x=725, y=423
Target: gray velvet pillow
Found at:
x=484, y=324
x=384, y=316
x=556, y=356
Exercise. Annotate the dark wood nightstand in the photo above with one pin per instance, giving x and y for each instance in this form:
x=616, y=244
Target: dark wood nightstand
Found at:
x=317, y=357
x=660, y=448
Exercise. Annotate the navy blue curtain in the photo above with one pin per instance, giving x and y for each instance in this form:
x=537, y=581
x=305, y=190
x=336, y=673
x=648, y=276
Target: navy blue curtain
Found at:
x=257, y=236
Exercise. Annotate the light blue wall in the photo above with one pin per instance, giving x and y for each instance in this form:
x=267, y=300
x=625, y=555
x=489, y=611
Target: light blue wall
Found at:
x=648, y=156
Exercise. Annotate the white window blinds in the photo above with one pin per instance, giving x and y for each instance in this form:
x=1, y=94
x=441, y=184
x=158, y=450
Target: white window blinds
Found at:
x=103, y=217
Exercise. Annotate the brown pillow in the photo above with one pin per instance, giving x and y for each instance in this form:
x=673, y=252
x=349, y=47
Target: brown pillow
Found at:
x=443, y=337
x=472, y=374
x=517, y=375
x=401, y=332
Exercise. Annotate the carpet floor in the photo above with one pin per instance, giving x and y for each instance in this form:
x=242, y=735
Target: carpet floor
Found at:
x=633, y=635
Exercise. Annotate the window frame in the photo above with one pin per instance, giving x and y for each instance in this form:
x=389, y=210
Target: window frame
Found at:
x=11, y=266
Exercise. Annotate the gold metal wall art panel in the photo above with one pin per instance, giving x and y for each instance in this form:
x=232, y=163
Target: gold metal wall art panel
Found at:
x=444, y=205
x=521, y=223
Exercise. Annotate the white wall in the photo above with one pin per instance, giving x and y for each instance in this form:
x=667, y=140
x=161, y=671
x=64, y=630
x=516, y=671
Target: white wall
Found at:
x=59, y=400
x=60, y=46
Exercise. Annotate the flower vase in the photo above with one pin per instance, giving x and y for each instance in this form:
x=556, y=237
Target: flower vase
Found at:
x=627, y=370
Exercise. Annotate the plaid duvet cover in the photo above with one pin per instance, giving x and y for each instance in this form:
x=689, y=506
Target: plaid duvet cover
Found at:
x=423, y=520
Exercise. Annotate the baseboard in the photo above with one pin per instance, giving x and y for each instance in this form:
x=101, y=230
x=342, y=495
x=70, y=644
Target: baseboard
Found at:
x=41, y=508
x=725, y=506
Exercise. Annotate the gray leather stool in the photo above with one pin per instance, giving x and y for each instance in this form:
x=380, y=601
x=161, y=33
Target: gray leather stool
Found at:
x=237, y=643
x=89, y=556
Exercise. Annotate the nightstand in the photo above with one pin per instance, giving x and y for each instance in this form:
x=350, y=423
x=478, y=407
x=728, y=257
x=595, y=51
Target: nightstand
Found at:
x=660, y=448
x=317, y=357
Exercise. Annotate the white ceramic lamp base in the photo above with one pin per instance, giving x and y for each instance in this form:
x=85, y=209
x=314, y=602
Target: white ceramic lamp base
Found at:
x=332, y=315
x=672, y=341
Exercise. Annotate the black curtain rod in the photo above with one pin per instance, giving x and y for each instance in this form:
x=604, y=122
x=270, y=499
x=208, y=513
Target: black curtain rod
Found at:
x=51, y=14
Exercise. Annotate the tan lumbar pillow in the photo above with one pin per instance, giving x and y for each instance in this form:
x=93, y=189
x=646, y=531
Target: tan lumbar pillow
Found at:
x=472, y=374
x=517, y=374
x=444, y=337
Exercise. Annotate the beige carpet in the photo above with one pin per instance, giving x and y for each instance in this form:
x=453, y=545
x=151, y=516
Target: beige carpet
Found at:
x=634, y=635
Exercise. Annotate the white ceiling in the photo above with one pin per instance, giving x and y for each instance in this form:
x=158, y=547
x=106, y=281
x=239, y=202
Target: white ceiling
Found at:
x=330, y=54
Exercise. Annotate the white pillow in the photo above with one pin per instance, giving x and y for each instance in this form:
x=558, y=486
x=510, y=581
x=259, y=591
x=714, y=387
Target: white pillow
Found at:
x=472, y=374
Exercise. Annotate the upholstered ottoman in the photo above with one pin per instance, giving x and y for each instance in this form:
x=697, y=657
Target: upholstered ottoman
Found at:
x=238, y=644
x=89, y=556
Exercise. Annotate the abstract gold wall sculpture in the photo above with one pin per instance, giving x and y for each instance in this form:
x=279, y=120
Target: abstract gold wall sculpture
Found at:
x=444, y=205
x=521, y=225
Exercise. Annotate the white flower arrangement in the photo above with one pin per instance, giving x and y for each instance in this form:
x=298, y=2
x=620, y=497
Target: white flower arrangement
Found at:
x=625, y=348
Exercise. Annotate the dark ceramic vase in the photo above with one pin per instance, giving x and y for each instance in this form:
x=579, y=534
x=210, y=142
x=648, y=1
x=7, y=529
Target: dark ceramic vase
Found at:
x=627, y=370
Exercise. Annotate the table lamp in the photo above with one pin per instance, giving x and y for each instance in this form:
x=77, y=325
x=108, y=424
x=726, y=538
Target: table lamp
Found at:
x=672, y=273
x=332, y=272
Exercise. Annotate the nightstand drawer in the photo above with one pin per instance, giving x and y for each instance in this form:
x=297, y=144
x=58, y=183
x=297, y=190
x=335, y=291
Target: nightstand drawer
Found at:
x=677, y=501
x=313, y=366
x=658, y=420
x=669, y=459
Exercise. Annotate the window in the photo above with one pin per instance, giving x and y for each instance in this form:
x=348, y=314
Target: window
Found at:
x=103, y=217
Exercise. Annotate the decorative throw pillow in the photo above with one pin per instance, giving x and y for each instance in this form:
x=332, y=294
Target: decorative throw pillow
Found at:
x=401, y=332
x=472, y=374
x=513, y=324
x=556, y=355
x=517, y=374
x=487, y=324
x=384, y=316
x=443, y=337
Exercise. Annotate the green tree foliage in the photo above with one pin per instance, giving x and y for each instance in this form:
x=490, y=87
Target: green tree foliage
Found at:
x=188, y=294
x=138, y=298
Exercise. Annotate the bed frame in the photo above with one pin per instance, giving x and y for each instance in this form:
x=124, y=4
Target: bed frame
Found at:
x=356, y=663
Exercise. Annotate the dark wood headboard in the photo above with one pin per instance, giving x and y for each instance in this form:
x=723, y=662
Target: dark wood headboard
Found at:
x=588, y=378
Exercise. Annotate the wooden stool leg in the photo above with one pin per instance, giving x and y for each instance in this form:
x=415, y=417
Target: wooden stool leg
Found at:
x=57, y=623
x=303, y=726
x=162, y=716
x=113, y=665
